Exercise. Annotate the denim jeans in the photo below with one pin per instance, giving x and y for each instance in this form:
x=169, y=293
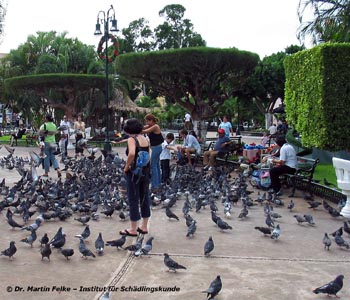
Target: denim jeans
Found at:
x=155, y=166
x=50, y=156
x=138, y=196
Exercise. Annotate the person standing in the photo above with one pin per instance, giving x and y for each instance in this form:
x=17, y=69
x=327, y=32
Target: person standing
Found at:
x=48, y=131
x=137, y=187
x=165, y=156
x=188, y=121
x=227, y=126
x=156, y=139
x=79, y=129
x=65, y=125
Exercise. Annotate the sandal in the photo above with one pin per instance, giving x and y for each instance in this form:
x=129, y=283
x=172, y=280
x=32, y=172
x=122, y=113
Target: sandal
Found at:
x=127, y=233
x=139, y=230
x=59, y=174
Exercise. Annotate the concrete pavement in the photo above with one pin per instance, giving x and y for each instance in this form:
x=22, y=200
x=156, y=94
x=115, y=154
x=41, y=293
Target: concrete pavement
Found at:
x=251, y=265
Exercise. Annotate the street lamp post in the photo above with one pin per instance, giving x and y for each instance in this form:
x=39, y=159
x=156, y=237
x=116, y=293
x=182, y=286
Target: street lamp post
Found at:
x=105, y=18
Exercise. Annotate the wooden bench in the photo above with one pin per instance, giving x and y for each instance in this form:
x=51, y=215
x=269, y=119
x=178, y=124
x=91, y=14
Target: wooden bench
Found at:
x=303, y=175
x=235, y=147
x=31, y=139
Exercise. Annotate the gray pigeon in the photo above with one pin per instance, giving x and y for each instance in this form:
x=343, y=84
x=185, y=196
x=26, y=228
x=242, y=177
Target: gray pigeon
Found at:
x=191, y=229
x=85, y=234
x=331, y=288
x=269, y=222
x=30, y=239
x=99, y=244
x=309, y=219
x=105, y=296
x=46, y=252
x=326, y=241
x=68, y=252
x=117, y=243
x=136, y=246
x=172, y=264
x=10, y=252
x=214, y=288
x=146, y=248
x=170, y=214
x=276, y=232
x=209, y=246
x=83, y=220
x=264, y=230
x=300, y=219
x=290, y=205
x=44, y=240
x=340, y=241
x=85, y=252
x=223, y=225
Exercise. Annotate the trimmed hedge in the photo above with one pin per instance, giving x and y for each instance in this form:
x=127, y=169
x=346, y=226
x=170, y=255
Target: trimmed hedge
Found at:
x=317, y=95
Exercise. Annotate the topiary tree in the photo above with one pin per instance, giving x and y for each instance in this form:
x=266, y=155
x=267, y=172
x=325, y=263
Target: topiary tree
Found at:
x=317, y=95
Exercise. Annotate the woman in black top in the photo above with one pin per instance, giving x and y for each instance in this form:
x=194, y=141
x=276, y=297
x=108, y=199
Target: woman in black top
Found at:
x=137, y=187
x=156, y=139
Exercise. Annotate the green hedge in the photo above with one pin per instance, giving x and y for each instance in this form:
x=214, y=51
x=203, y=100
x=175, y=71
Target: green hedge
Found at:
x=317, y=95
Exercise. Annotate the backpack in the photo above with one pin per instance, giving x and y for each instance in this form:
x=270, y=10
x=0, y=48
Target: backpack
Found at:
x=141, y=161
x=261, y=179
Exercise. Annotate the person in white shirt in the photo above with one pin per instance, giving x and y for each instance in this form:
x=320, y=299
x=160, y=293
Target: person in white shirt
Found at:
x=227, y=126
x=165, y=157
x=273, y=129
x=65, y=125
x=188, y=122
x=190, y=145
x=286, y=164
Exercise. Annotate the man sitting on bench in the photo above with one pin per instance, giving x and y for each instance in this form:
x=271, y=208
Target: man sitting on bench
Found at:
x=220, y=148
x=14, y=137
x=286, y=164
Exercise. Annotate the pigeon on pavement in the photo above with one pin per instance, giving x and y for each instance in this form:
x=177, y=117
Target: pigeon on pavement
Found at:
x=223, y=225
x=214, y=288
x=85, y=234
x=85, y=251
x=331, y=288
x=309, y=219
x=264, y=230
x=46, y=252
x=117, y=243
x=326, y=241
x=170, y=214
x=300, y=219
x=99, y=244
x=10, y=251
x=276, y=232
x=172, y=264
x=68, y=252
x=146, y=248
x=30, y=239
x=136, y=246
x=44, y=240
x=341, y=242
x=209, y=246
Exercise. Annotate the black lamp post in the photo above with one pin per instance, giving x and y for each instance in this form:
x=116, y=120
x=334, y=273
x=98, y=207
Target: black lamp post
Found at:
x=104, y=18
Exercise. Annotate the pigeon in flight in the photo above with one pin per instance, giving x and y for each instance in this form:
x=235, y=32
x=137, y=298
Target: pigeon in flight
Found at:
x=331, y=288
x=172, y=264
x=214, y=288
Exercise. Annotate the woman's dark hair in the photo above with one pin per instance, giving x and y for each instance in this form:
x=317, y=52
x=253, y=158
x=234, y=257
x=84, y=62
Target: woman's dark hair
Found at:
x=133, y=126
x=192, y=132
x=183, y=131
x=281, y=140
x=49, y=118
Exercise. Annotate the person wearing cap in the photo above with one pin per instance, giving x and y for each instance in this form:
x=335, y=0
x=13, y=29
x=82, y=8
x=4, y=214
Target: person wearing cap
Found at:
x=65, y=125
x=226, y=125
x=221, y=147
x=285, y=164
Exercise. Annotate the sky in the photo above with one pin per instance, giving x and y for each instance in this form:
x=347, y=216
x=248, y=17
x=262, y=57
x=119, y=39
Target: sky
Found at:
x=260, y=26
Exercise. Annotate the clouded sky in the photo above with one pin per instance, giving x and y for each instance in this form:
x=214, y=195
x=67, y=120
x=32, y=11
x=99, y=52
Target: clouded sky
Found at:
x=260, y=26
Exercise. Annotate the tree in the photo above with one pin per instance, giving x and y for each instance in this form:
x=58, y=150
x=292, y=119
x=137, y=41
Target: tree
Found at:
x=138, y=37
x=195, y=78
x=176, y=32
x=3, y=8
x=330, y=23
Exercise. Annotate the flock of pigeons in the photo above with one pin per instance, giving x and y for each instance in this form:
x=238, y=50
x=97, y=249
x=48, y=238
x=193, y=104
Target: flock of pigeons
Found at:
x=95, y=186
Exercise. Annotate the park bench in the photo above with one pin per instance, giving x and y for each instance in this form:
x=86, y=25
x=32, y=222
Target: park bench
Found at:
x=235, y=147
x=31, y=139
x=303, y=175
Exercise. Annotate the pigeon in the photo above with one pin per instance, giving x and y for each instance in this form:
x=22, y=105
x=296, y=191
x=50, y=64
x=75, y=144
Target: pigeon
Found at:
x=264, y=230
x=13, y=223
x=44, y=240
x=191, y=229
x=136, y=246
x=223, y=225
x=209, y=246
x=170, y=214
x=30, y=239
x=326, y=241
x=124, y=215
x=83, y=220
x=10, y=252
x=309, y=219
x=67, y=252
x=290, y=205
x=341, y=242
x=276, y=232
x=146, y=248
x=85, y=234
x=46, y=252
x=59, y=241
x=99, y=244
x=85, y=252
x=108, y=212
x=338, y=231
x=105, y=296
x=269, y=222
x=172, y=264
x=331, y=288
x=300, y=219
x=244, y=212
x=214, y=288
x=117, y=243
x=314, y=204
x=346, y=228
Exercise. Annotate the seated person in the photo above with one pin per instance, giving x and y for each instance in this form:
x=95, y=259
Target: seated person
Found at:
x=14, y=137
x=220, y=148
x=189, y=146
x=286, y=164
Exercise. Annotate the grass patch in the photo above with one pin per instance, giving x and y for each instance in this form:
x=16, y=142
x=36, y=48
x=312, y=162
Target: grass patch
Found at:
x=325, y=171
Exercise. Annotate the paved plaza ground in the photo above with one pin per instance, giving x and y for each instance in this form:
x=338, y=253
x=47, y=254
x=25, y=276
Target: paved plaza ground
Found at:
x=251, y=266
